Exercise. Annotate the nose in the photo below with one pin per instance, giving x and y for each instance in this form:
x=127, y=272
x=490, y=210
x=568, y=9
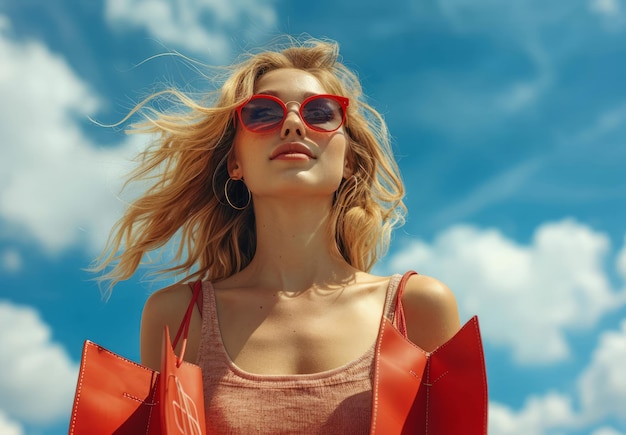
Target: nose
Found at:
x=293, y=124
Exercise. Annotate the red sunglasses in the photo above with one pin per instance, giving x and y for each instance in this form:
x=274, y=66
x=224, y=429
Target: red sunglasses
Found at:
x=264, y=113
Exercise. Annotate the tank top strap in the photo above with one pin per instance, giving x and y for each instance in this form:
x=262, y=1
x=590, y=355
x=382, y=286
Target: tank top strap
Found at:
x=210, y=322
x=390, y=298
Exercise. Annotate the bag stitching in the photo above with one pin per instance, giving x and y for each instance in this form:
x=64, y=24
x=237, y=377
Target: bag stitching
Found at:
x=483, y=374
x=140, y=400
x=150, y=413
x=113, y=354
x=427, y=395
x=376, y=375
x=79, y=388
x=431, y=384
x=91, y=345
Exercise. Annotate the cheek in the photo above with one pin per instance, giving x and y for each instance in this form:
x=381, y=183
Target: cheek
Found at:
x=337, y=148
x=244, y=150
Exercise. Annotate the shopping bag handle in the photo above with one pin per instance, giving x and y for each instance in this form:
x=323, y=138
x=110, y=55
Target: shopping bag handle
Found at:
x=184, y=325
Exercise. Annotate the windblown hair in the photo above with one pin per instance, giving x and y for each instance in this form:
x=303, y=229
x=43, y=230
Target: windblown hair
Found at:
x=186, y=166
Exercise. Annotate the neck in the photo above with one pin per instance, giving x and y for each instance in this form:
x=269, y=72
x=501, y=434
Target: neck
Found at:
x=294, y=248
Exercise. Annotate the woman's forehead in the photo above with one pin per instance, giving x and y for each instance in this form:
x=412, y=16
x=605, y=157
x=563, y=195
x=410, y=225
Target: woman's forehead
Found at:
x=289, y=83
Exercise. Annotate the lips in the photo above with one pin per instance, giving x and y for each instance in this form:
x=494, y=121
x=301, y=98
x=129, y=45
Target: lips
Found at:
x=292, y=149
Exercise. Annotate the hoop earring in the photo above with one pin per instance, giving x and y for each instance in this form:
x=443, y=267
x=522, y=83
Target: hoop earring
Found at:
x=228, y=199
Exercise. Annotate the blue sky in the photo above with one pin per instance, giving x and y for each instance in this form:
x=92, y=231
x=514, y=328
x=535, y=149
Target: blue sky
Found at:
x=509, y=124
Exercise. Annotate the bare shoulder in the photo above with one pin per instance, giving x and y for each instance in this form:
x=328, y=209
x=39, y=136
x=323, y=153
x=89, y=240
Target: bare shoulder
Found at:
x=168, y=305
x=431, y=312
x=164, y=307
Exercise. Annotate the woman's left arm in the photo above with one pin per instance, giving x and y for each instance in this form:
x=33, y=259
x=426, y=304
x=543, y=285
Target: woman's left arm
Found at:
x=431, y=312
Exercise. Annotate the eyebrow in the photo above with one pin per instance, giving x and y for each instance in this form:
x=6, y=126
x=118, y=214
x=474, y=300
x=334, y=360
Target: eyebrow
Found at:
x=304, y=95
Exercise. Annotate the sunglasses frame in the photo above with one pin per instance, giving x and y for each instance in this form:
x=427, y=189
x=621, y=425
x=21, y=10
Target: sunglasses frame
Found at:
x=343, y=102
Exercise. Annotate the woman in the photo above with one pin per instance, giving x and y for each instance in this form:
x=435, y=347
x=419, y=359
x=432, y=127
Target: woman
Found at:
x=284, y=193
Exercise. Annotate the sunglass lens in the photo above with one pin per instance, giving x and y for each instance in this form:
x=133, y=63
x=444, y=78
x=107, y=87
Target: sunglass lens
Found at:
x=262, y=114
x=323, y=113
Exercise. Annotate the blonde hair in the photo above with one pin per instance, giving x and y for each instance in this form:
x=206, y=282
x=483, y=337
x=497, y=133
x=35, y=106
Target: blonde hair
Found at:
x=187, y=168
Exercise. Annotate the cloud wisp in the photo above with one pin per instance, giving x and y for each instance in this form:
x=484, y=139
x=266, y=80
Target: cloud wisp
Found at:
x=515, y=287
x=57, y=187
x=529, y=297
x=601, y=394
x=8, y=426
x=200, y=26
x=37, y=379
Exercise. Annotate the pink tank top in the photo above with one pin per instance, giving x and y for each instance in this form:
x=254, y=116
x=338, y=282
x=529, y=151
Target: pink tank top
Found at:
x=337, y=401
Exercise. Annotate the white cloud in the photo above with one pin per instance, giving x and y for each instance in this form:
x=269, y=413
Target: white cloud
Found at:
x=621, y=261
x=10, y=260
x=38, y=379
x=527, y=296
x=601, y=395
x=55, y=185
x=203, y=26
x=606, y=431
x=5, y=24
x=605, y=7
x=8, y=426
x=538, y=415
x=610, y=13
x=607, y=122
x=602, y=386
